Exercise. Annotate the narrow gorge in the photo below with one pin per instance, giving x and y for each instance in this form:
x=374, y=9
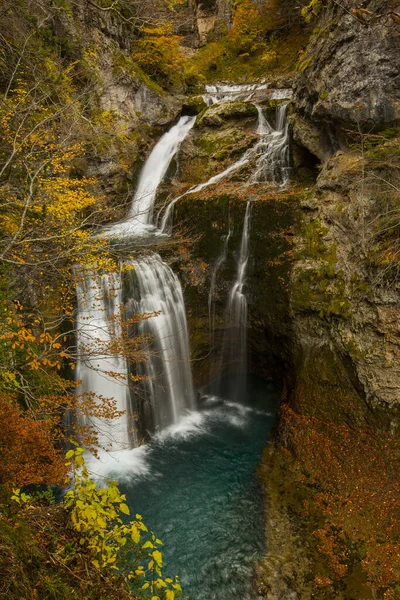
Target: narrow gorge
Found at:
x=200, y=256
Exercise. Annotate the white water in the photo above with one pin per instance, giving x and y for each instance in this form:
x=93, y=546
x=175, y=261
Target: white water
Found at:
x=168, y=388
x=103, y=374
x=245, y=93
x=234, y=346
x=237, y=302
x=273, y=162
x=139, y=221
x=218, y=264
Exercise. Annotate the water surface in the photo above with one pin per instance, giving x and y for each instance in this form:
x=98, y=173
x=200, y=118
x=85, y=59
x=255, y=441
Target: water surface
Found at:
x=196, y=486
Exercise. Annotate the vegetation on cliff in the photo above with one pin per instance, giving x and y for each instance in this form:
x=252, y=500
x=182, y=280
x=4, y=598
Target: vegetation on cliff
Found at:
x=83, y=87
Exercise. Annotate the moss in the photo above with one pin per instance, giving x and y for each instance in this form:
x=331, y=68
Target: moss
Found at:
x=217, y=114
x=304, y=63
x=314, y=234
x=126, y=65
x=217, y=61
x=194, y=105
x=322, y=290
x=221, y=144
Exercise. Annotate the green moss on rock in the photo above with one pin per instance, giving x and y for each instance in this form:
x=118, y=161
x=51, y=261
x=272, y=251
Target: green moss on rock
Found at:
x=218, y=114
x=221, y=144
x=194, y=105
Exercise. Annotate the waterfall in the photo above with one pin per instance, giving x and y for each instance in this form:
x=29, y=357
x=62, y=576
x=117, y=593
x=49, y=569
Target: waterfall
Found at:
x=234, y=347
x=237, y=302
x=218, y=264
x=273, y=162
x=271, y=150
x=244, y=93
x=139, y=221
x=103, y=373
x=168, y=388
x=155, y=169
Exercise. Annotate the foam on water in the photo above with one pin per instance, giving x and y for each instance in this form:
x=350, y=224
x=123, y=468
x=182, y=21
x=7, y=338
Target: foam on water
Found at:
x=123, y=465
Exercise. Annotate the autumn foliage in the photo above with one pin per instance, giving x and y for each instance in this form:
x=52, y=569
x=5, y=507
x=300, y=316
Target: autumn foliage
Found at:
x=353, y=477
x=28, y=455
x=49, y=212
x=252, y=23
x=158, y=53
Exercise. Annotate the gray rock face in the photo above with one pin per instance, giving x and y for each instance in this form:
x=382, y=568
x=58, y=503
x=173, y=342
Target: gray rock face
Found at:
x=351, y=72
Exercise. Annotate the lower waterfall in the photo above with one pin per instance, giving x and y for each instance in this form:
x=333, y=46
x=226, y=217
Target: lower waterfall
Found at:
x=167, y=391
x=234, y=346
x=103, y=373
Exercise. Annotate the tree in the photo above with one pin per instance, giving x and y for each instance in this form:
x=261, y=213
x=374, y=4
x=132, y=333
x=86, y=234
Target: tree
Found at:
x=49, y=211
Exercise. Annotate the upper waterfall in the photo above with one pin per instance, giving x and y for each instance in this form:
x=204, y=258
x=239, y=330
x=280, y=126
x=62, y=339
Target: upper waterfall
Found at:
x=273, y=159
x=155, y=169
x=253, y=92
x=139, y=221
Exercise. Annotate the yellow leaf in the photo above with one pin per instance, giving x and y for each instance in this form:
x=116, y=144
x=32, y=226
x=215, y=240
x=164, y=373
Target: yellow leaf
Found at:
x=169, y=595
x=157, y=557
x=124, y=509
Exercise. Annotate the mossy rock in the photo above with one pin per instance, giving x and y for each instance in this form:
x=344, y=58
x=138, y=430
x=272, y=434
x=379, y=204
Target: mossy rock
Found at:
x=218, y=114
x=193, y=105
x=222, y=144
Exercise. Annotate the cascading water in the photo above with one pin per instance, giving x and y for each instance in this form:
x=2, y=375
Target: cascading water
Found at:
x=252, y=92
x=139, y=222
x=102, y=372
x=234, y=350
x=218, y=264
x=271, y=150
x=106, y=376
x=155, y=169
x=196, y=483
x=168, y=388
x=273, y=163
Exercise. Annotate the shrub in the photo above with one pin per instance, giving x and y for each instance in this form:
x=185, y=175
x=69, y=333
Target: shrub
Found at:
x=116, y=547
